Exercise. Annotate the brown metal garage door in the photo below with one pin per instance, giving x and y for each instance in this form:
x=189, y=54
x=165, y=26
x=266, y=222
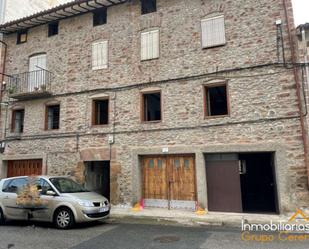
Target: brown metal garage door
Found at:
x=169, y=181
x=24, y=167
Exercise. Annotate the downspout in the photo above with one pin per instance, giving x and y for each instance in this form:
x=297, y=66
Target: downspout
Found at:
x=2, y=19
x=298, y=90
x=303, y=33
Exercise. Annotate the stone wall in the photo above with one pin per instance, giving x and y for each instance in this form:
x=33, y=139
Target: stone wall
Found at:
x=263, y=103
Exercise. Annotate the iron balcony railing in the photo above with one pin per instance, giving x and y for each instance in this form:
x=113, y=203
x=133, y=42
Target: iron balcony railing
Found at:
x=32, y=83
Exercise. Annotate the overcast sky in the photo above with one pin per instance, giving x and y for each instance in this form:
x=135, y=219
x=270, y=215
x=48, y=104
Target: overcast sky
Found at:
x=301, y=11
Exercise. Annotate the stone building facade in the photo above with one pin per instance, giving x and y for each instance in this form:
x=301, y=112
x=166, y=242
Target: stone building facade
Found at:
x=264, y=110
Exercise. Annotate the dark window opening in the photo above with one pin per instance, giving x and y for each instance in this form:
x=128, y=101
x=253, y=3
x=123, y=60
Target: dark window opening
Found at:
x=53, y=29
x=99, y=17
x=148, y=6
x=152, y=107
x=100, y=112
x=18, y=121
x=216, y=101
x=53, y=117
x=22, y=36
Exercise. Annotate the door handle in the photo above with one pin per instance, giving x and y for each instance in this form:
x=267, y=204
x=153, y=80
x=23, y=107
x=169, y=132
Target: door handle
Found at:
x=6, y=197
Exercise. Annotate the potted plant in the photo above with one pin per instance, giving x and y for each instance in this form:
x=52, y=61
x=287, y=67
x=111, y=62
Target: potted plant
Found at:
x=12, y=90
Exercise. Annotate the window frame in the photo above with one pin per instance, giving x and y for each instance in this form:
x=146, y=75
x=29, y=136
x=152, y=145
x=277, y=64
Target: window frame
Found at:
x=46, y=116
x=142, y=107
x=50, y=25
x=99, y=12
x=143, y=12
x=93, y=111
x=19, y=34
x=205, y=93
x=13, y=120
x=202, y=35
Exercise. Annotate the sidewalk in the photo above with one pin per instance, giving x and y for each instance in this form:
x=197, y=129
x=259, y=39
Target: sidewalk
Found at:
x=191, y=219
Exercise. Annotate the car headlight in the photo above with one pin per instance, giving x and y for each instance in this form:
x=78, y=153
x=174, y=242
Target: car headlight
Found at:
x=86, y=203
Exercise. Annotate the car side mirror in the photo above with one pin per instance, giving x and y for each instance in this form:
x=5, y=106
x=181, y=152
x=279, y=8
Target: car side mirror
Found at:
x=51, y=193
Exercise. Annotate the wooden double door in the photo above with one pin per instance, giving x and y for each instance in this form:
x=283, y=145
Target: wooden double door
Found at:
x=24, y=167
x=169, y=181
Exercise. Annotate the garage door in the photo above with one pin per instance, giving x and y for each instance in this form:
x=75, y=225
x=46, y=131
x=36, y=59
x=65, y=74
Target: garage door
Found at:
x=169, y=181
x=24, y=167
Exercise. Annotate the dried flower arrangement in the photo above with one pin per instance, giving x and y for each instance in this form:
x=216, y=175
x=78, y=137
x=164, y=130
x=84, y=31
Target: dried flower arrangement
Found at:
x=29, y=196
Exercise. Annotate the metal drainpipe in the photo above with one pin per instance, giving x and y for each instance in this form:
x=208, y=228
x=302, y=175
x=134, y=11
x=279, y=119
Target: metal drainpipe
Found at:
x=303, y=32
x=2, y=19
x=296, y=78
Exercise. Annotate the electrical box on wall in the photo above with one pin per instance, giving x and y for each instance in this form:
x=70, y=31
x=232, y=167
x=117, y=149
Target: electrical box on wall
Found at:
x=111, y=139
x=2, y=146
x=165, y=150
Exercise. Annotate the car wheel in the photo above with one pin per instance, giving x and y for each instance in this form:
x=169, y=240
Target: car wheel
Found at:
x=64, y=218
x=2, y=220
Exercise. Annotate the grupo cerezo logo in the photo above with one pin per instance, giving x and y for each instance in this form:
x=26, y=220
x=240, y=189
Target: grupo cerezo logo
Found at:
x=295, y=229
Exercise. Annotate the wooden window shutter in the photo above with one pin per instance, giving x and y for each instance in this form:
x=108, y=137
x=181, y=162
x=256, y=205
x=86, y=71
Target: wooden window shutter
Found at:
x=150, y=45
x=144, y=46
x=213, y=31
x=155, y=44
x=100, y=55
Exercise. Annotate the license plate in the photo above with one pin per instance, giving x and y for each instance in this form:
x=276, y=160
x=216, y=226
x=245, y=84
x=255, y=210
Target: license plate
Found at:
x=104, y=209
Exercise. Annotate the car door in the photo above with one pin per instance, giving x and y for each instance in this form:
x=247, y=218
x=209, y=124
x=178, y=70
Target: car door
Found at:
x=46, y=211
x=10, y=190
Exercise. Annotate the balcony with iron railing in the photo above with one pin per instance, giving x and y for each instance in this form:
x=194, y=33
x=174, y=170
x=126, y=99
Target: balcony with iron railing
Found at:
x=29, y=85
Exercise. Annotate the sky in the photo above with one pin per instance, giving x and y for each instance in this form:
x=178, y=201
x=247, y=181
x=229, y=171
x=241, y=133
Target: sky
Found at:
x=301, y=11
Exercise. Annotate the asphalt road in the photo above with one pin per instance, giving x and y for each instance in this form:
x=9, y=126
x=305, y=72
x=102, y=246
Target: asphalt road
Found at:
x=116, y=235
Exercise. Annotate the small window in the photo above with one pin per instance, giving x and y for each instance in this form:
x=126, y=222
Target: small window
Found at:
x=53, y=29
x=151, y=163
x=99, y=55
x=43, y=186
x=216, y=100
x=52, y=117
x=150, y=45
x=22, y=36
x=152, y=107
x=213, y=32
x=16, y=185
x=100, y=112
x=18, y=121
x=186, y=164
x=99, y=17
x=177, y=163
x=148, y=6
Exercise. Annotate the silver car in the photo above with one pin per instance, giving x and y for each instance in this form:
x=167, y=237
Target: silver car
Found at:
x=65, y=202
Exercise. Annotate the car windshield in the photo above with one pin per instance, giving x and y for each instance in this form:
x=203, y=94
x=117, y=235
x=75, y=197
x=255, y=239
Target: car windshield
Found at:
x=66, y=185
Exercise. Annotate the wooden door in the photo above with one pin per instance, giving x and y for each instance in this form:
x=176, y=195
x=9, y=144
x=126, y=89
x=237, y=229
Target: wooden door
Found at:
x=223, y=186
x=24, y=168
x=37, y=75
x=169, y=181
x=181, y=178
x=155, y=178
